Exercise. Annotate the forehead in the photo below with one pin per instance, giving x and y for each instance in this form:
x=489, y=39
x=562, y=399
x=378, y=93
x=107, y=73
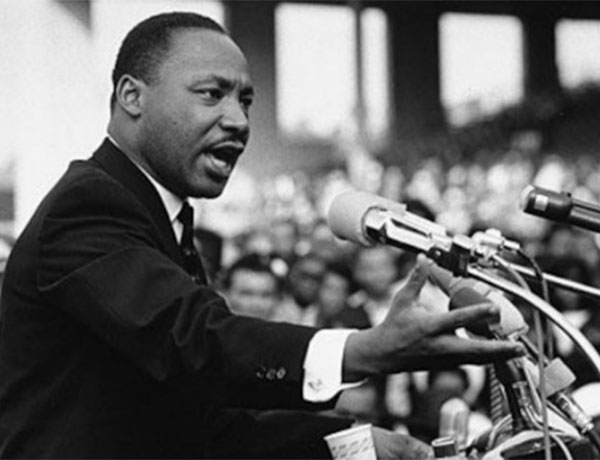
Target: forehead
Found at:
x=207, y=52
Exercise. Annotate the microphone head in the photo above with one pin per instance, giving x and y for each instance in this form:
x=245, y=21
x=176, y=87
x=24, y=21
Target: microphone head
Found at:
x=511, y=322
x=525, y=201
x=454, y=420
x=546, y=203
x=348, y=209
x=466, y=291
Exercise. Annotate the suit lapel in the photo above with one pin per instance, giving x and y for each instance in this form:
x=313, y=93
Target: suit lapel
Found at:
x=115, y=163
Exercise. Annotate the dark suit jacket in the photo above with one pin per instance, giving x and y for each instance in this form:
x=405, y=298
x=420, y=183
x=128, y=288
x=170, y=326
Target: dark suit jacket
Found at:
x=109, y=349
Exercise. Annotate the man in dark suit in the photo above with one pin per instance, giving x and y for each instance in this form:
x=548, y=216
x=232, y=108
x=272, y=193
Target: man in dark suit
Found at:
x=111, y=343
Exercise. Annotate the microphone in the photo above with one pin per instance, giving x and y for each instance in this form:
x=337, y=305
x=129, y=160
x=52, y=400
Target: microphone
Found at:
x=560, y=207
x=454, y=421
x=466, y=291
x=367, y=219
x=353, y=215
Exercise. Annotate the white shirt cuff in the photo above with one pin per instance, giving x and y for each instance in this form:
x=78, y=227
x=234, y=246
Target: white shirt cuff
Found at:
x=323, y=365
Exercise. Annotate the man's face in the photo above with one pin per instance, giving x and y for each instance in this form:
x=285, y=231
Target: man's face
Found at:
x=253, y=293
x=333, y=293
x=194, y=119
x=305, y=278
x=375, y=270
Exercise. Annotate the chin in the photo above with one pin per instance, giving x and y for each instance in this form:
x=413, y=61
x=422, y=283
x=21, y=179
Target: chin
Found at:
x=205, y=187
x=207, y=192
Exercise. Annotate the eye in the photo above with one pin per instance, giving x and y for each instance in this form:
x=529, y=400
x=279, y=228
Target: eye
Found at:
x=210, y=94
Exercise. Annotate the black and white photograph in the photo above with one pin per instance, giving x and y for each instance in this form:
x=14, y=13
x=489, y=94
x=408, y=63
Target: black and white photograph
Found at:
x=292, y=229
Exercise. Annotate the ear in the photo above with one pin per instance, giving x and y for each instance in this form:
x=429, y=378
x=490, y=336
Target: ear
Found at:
x=129, y=94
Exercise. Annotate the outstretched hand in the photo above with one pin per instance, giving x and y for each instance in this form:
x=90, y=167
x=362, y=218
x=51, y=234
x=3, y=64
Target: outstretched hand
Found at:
x=417, y=337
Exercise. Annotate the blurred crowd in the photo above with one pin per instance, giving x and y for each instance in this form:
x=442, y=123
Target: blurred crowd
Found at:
x=268, y=248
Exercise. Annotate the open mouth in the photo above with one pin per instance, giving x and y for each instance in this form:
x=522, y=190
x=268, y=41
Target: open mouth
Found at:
x=221, y=161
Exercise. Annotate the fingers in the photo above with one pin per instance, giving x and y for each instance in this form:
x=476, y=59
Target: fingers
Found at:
x=476, y=314
x=411, y=289
x=439, y=276
x=474, y=351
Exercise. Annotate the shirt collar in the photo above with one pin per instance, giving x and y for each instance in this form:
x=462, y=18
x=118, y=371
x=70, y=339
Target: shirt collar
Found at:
x=171, y=202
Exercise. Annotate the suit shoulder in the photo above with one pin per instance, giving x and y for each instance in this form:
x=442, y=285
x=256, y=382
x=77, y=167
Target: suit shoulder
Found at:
x=87, y=176
x=85, y=185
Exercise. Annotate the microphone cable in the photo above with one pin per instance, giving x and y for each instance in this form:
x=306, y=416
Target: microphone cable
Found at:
x=541, y=356
x=545, y=352
x=539, y=274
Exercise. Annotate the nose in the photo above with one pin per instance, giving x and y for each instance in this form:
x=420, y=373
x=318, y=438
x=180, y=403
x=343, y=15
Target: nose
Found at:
x=235, y=117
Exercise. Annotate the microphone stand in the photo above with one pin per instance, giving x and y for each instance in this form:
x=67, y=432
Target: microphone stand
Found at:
x=563, y=283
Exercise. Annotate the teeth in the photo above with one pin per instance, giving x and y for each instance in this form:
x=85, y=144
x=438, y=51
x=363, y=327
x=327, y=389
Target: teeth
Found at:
x=220, y=162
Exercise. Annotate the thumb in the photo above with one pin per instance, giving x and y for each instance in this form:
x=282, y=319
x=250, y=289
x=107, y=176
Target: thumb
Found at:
x=415, y=282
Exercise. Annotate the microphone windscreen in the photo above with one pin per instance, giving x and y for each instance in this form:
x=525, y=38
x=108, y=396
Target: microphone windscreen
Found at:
x=465, y=291
x=347, y=210
x=511, y=319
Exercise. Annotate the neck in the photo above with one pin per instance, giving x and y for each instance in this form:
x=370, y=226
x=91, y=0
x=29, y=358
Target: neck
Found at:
x=123, y=141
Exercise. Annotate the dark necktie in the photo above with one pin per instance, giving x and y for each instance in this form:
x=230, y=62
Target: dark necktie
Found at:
x=191, y=259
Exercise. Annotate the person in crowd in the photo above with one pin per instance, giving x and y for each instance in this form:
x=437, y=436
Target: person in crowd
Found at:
x=563, y=240
x=251, y=287
x=284, y=235
x=375, y=270
x=112, y=344
x=301, y=288
x=332, y=298
x=322, y=241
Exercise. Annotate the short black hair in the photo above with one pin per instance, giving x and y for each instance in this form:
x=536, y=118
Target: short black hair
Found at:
x=146, y=45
